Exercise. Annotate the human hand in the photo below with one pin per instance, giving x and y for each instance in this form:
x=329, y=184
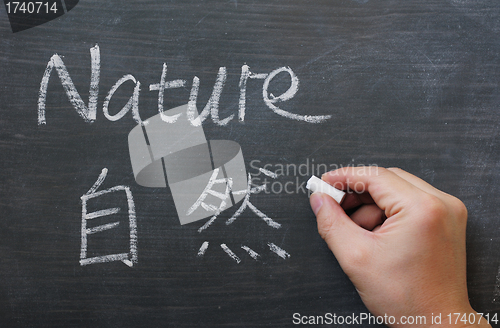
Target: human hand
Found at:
x=403, y=247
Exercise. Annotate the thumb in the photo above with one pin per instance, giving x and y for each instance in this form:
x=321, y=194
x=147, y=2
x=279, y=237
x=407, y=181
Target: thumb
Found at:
x=343, y=236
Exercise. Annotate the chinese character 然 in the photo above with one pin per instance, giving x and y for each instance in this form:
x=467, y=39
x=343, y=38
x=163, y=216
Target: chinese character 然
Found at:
x=224, y=197
x=244, y=205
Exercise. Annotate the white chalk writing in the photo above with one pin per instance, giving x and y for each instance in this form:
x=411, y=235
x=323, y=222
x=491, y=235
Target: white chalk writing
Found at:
x=130, y=257
x=278, y=250
x=245, y=204
x=88, y=113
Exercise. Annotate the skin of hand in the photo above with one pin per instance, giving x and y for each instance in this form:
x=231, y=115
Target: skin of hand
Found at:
x=403, y=245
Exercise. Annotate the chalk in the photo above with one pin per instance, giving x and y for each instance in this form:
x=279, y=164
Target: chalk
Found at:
x=315, y=184
x=161, y=87
x=246, y=203
x=279, y=251
x=203, y=249
x=251, y=252
x=230, y=253
x=87, y=113
x=132, y=104
x=212, y=106
x=270, y=100
x=129, y=258
x=268, y=173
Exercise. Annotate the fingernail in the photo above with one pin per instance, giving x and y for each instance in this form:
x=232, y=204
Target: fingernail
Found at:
x=316, y=201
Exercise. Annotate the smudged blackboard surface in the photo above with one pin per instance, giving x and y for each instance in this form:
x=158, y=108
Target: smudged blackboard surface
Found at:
x=413, y=84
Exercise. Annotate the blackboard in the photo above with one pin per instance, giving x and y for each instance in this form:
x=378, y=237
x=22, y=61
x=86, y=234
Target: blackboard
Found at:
x=411, y=84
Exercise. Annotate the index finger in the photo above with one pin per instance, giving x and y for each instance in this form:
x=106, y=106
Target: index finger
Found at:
x=388, y=190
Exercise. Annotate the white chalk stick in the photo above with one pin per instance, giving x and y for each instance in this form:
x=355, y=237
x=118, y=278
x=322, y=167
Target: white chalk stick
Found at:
x=315, y=184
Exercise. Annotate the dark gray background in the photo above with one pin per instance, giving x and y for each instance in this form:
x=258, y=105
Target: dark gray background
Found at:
x=413, y=84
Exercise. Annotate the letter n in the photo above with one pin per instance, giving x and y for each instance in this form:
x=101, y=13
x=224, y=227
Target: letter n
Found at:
x=87, y=113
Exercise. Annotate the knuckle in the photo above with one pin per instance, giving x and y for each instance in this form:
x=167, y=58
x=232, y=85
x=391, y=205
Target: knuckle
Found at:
x=443, y=215
x=459, y=208
x=358, y=258
x=435, y=206
x=436, y=211
x=442, y=209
